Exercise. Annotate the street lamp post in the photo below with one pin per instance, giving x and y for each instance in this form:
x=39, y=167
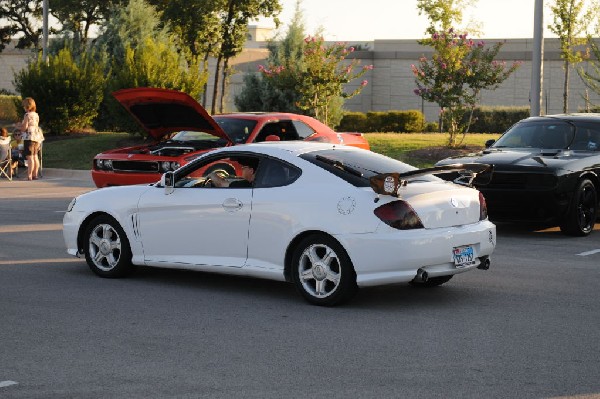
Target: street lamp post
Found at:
x=45, y=32
x=535, y=94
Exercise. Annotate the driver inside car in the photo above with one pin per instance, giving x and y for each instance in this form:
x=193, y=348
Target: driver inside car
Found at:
x=248, y=164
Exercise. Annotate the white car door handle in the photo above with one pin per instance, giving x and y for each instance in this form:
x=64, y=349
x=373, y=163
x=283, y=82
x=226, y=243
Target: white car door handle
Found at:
x=232, y=204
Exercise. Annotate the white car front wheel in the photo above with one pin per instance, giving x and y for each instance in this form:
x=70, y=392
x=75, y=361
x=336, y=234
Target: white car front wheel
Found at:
x=106, y=248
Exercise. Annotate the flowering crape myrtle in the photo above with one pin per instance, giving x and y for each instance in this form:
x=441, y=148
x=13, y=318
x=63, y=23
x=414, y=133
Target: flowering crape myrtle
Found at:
x=455, y=75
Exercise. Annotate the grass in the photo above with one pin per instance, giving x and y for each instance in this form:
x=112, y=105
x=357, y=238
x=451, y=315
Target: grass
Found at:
x=405, y=146
x=77, y=151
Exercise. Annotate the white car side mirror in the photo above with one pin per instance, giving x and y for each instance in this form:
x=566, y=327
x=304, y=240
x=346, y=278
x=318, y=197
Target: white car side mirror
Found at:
x=168, y=182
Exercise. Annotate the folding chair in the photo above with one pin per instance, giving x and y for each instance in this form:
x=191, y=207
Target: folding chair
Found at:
x=6, y=162
x=41, y=157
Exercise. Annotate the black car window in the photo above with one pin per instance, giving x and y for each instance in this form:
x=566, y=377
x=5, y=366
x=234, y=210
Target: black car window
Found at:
x=548, y=134
x=587, y=137
x=356, y=167
x=276, y=173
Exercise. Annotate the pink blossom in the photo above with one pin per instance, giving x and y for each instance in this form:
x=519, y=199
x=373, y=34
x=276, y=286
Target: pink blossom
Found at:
x=364, y=83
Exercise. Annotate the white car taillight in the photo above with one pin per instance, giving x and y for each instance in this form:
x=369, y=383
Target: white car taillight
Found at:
x=399, y=215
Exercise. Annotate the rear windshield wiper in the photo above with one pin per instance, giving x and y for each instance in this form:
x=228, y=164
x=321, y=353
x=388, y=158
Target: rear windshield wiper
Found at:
x=339, y=165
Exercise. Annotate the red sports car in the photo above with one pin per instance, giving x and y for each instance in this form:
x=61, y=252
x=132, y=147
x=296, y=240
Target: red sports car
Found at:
x=182, y=130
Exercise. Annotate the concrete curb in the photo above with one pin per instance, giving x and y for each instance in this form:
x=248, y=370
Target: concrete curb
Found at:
x=67, y=174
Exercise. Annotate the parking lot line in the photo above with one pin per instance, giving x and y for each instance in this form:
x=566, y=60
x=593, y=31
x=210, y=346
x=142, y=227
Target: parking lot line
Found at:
x=587, y=253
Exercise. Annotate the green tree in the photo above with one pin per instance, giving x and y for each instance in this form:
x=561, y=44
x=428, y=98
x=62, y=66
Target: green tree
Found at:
x=591, y=75
x=144, y=53
x=68, y=91
x=197, y=25
x=234, y=28
x=79, y=16
x=443, y=14
x=321, y=78
x=456, y=74
x=21, y=19
x=278, y=94
x=572, y=19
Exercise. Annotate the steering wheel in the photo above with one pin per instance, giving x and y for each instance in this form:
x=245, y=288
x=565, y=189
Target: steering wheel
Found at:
x=208, y=181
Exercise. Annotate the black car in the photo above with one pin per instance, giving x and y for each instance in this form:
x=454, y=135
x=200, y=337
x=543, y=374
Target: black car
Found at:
x=546, y=170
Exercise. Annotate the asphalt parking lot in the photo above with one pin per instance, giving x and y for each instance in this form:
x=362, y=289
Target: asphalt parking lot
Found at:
x=527, y=328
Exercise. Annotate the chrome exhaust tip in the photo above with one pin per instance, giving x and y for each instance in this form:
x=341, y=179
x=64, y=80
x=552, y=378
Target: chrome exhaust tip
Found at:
x=422, y=276
x=485, y=263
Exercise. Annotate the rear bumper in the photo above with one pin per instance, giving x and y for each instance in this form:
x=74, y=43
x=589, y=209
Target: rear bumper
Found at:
x=396, y=256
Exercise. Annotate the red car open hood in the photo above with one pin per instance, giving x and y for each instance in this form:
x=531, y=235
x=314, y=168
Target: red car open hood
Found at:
x=164, y=111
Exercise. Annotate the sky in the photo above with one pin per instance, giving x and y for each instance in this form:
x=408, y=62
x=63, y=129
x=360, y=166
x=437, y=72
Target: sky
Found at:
x=367, y=20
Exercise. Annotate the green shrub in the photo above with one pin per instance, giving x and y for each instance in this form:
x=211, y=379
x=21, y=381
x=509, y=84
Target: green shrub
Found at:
x=67, y=91
x=383, y=121
x=496, y=119
x=431, y=127
x=595, y=109
x=8, y=110
x=353, y=122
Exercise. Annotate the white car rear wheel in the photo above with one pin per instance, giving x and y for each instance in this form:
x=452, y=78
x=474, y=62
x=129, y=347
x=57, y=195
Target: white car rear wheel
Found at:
x=322, y=271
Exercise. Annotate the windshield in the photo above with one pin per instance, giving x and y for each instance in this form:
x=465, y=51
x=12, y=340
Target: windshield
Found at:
x=187, y=135
x=357, y=167
x=547, y=134
x=237, y=130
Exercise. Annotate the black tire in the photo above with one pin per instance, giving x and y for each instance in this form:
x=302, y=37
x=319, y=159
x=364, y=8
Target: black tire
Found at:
x=106, y=248
x=581, y=215
x=432, y=282
x=322, y=271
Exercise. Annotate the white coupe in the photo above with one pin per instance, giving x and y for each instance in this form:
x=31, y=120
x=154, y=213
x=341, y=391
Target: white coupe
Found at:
x=328, y=218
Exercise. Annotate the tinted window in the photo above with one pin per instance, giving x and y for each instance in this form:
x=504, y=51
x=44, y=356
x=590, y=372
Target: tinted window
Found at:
x=283, y=130
x=356, y=167
x=587, y=137
x=275, y=173
x=550, y=134
x=303, y=129
x=237, y=130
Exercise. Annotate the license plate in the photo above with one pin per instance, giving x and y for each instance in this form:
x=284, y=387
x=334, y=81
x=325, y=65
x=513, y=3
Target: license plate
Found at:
x=463, y=256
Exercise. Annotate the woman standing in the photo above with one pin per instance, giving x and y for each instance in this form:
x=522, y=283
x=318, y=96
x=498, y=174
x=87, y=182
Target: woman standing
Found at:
x=32, y=137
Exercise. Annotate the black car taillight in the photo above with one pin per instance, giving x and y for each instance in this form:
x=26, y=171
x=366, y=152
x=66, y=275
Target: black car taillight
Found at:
x=483, y=213
x=399, y=215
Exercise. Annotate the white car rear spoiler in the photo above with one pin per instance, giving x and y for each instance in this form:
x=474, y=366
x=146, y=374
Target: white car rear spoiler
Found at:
x=390, y=183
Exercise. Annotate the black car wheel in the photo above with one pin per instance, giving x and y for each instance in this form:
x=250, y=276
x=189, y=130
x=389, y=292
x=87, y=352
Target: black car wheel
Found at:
x=106, y=247
x=322, y=271
x=581, y=216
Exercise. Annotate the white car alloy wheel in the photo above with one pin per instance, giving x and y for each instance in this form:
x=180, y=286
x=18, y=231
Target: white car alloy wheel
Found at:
x=323, y=272
x=107, y=249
